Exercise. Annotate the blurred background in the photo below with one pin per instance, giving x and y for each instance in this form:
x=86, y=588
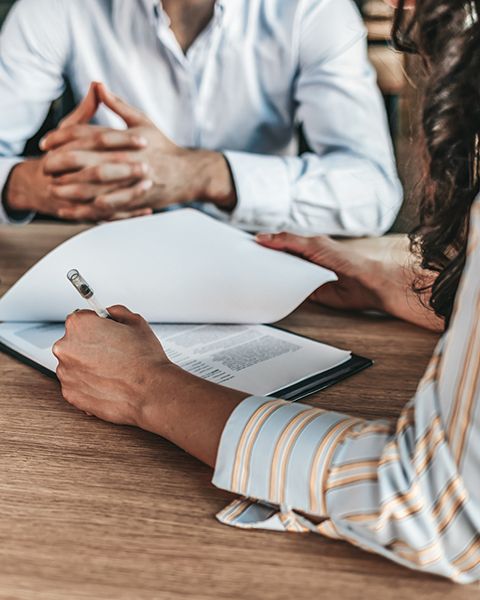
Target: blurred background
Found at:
x=398, y=78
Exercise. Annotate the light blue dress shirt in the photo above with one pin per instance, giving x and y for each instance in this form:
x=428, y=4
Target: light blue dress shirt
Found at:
x=259, y=69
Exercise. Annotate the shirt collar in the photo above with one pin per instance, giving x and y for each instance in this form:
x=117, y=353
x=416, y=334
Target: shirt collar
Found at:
x=222, y=7
x=151, y=7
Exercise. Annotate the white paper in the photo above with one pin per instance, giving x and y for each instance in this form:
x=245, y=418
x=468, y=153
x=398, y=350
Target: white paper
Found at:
x=258, y=360
x=180, y=266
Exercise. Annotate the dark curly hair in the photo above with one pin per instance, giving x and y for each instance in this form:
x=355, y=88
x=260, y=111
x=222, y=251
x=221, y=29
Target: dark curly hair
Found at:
x=446, y=33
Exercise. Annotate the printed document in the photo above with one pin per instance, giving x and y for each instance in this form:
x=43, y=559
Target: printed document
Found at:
x=255, y=359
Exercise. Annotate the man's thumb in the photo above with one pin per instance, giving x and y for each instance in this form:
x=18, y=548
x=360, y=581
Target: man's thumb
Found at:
x=132, y=116
x=85, y=111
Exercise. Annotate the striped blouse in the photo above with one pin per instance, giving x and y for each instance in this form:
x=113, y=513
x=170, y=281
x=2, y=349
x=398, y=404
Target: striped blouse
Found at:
x=409, y=490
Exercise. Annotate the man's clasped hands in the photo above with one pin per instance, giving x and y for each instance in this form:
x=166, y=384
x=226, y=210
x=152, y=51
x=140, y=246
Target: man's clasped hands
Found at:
x=93, y=173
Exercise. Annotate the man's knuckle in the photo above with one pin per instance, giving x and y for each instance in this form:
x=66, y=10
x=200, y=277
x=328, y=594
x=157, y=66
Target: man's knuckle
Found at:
x=72, y=158
x=61, y=213
x=68, y=394
x=73, y=191
x=47, y=162
x=100, y=203
x=70, y=321
x=82, y=192
x=101, y=138
x=98, y=173
x=57, y=349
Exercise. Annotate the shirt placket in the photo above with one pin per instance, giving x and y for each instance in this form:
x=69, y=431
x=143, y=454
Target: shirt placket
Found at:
x=193, y=68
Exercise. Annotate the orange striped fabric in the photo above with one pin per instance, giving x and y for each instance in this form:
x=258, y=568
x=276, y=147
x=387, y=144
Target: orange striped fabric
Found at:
x=407, y=490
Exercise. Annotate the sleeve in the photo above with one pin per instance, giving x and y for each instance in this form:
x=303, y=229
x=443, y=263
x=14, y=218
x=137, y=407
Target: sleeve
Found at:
x=6, y=166
x=348, y=184
x=34, y=47
x=406, y=490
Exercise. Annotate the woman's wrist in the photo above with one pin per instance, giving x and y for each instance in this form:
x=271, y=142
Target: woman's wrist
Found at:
x=393, y=283
x=375, y=278
x=162, y=381
x=188, y=411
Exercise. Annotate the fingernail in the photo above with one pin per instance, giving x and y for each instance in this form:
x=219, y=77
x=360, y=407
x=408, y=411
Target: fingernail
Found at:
x=140, y=169
x=140, y=141
x=42, y=144
x=264, y=237
x=146, y=185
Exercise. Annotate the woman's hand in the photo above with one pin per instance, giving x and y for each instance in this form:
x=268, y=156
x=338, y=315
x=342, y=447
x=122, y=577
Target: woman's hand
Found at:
x=378, y=274
x=117, y=371
x=110, y=368
x=358, y=282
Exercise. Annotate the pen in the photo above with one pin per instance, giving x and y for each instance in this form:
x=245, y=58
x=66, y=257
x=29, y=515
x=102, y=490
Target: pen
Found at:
x=86, y=292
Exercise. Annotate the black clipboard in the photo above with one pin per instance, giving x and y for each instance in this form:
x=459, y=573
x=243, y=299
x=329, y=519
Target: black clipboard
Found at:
x=311, y=385
x=320, y=381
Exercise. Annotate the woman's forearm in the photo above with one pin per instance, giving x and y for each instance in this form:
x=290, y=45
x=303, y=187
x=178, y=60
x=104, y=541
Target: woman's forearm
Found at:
x=395, y=288
x=192, y=414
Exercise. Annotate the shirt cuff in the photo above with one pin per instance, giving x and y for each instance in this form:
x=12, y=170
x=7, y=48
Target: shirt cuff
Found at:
x=277, y=456
x=7, y=217
x=263, y=191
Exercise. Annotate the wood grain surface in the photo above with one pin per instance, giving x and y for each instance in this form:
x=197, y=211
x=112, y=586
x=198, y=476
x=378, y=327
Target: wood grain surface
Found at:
x=90, y=510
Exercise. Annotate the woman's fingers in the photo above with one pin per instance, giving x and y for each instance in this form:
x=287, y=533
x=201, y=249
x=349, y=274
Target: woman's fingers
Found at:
x=311, y=248
x=285, y=241
x=321, y=250
x=123, y=315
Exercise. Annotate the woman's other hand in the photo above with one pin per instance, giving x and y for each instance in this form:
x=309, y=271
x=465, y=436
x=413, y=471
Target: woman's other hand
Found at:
x=358, y=276
x=373, y=274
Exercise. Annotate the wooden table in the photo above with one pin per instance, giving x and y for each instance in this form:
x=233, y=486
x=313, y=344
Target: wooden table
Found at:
x=90, y=510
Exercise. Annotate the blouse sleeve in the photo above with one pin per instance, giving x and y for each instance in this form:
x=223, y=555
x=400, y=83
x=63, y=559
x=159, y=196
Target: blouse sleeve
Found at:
x=407, y=490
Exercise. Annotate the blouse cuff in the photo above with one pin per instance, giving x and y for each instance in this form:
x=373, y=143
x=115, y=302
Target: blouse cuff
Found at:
x=276, y=456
